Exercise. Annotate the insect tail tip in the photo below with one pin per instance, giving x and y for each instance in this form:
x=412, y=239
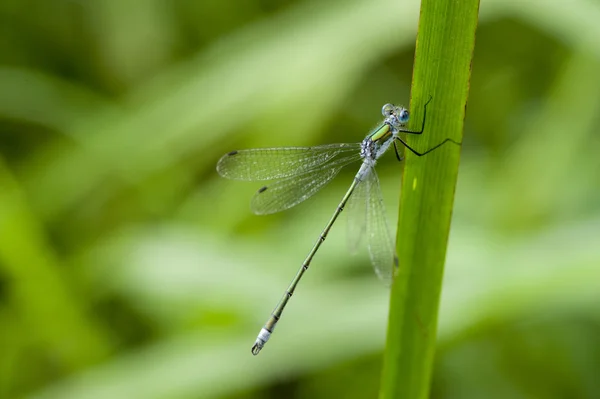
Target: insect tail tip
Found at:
x=257, y=347
x=261, y=340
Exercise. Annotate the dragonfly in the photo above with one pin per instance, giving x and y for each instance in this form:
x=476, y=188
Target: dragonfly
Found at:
x=297, y=173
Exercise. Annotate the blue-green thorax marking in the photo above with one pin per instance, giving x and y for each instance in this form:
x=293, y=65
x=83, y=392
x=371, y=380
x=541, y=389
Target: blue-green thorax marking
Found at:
x=381, y=132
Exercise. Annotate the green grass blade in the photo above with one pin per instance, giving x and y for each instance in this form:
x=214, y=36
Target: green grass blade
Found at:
x=48, y=310
x=443, y=57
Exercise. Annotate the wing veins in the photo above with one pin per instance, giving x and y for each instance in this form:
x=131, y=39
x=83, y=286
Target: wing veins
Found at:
x=287, y=192
x=282, y=162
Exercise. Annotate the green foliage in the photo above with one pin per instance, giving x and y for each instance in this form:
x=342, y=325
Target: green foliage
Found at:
x=129, y=269
x=443, y=56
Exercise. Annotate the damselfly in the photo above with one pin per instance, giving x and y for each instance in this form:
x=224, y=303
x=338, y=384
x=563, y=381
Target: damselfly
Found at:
x=297, y=173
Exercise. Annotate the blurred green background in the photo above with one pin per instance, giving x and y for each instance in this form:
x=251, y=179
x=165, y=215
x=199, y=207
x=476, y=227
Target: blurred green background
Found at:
x=129, y=269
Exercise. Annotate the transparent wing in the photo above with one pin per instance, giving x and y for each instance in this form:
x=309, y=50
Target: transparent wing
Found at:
x=288, y=192
x=356, y=217
x=278, y=163
x=380, y=244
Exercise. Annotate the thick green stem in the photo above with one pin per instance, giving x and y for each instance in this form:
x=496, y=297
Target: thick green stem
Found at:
x=442, y=68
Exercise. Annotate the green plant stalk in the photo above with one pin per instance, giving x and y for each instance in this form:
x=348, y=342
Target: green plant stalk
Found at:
x=443, y=55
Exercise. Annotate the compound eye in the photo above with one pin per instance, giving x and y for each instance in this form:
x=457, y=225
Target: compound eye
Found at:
x=387, y=110
x=403, y=116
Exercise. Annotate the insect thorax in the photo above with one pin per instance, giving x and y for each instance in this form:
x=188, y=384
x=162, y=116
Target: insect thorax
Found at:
x=368, y=149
